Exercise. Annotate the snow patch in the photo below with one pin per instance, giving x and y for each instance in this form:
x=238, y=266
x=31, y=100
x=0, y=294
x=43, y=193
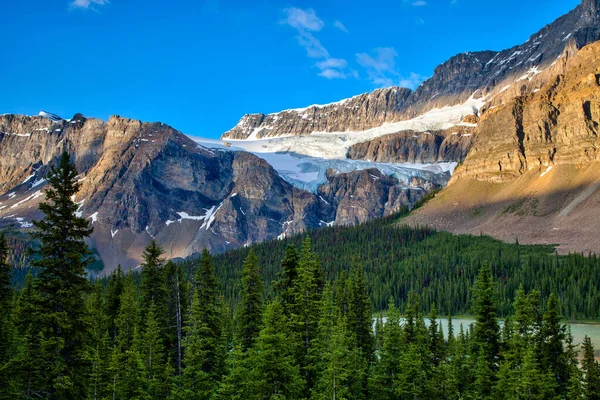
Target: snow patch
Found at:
x=33, y=196
x=94, y=217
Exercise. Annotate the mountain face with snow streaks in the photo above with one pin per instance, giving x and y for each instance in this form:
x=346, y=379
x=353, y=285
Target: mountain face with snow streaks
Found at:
x=497, y=117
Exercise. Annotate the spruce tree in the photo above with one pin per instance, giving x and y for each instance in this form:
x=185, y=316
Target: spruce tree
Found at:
x=6, y=326
x=359, y=314
x=287, y=278
x=486, y=330
x=204, y=345
x=61, y=260
x=237, y=383
x=553, y=338
x=304, y=316
x=249, y=311
x=153, y=286
x=276, y=372
x=387, y=369
x=152, y=354
x=591, y=370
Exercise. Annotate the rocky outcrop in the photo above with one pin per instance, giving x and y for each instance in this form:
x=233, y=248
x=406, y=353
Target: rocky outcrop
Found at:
x=502, y=74
x=533, y=172
x=556, y=125
x=359, y=196
x=450, y=145
x=144, y=181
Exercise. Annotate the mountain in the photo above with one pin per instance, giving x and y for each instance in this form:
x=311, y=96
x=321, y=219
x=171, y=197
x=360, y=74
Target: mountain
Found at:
x=143, y=181
x=520, y=124
x=533, y=172
x=483, y=74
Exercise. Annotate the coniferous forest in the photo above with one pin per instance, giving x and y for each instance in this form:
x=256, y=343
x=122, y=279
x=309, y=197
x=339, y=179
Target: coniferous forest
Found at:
x=299, y=327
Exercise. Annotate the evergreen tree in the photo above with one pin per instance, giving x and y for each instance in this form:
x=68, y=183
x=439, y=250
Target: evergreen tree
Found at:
x=98, y=351
x=359, y=314
x=113, y=299
x=178, y=306
x=153, y=286
x=387, y=369
x=287, y=278
x=205, y=347
x=486, y=330
x=61, y=260
x=251, y=304
x=236, y=385
x=6, y=326
x=591, y=370
x=304, y=318
x=152, y=355
x=553, y=339
x=276, y=373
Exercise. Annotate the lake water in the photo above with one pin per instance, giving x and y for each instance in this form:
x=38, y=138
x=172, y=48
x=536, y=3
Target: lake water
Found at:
x=579, y=331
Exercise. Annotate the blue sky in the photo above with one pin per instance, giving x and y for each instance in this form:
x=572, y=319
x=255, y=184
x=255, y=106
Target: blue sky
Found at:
x=200, y=65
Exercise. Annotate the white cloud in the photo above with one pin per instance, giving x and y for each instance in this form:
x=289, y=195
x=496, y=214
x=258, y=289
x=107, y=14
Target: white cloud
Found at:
x=307, y=24
x=88, y=4
x=302, y=20
x=419, y=3
x=340, y=26
x=381, y=69
x=312, y=45
x=419, y=21
x=335, y=68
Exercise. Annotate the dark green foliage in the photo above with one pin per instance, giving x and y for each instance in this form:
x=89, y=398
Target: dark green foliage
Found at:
x=440, y=266
x=591, y=371
x=60, y=313
x=167, y=333
x=6, y=325
x=251, y=304
x=276, y=374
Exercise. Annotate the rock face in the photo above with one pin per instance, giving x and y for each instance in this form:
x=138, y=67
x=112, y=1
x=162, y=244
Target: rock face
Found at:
x=416, y=147
x=143, y=181
x=556, y=125
x=533, y=171
x=362, y=195
x=476, y=74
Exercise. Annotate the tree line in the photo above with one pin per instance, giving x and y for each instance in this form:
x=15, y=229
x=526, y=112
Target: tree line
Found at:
x=159, y=335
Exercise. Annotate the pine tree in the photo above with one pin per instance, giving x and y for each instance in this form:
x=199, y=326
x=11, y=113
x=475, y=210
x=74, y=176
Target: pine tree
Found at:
x=98, y=352
x=204, y=345
x=6, y=326
x=533, y=382
x=359, y=314
x=153, y=286
x=152, y=355
x=113, y=299
x=553, y=352
x=287, y=278
x=249, y=312
x=62, y=258
x=486, y=330
x=237, y=384
x=178, y=306
x=591, y=370
x=304, y=316
x=387, y=369
x=276, y=373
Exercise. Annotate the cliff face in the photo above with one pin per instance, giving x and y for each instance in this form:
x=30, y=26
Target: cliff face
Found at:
x=451, y=145
x=533, y=171
x=555, y=125
x=143, y=181
x=476, y=74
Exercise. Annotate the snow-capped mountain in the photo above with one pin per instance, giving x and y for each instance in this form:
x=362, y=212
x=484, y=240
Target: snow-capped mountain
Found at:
x=484, y=118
